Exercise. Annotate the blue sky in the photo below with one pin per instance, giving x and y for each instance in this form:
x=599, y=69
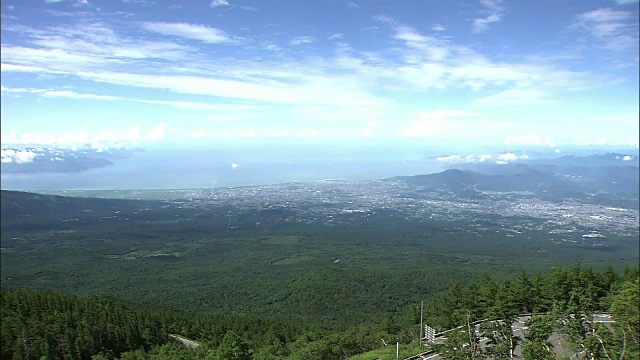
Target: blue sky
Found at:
x=544, y=72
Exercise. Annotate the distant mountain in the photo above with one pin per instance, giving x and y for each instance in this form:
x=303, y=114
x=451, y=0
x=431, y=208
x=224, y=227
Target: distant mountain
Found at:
x=517, y=177
x=39, y=160
x=52, y=165
x=611, y=173
x=598, y=179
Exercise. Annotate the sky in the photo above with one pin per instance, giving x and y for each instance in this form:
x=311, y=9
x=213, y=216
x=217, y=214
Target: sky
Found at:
x=108, y=73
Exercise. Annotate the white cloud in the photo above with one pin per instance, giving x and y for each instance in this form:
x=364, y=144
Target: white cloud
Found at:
x=216, y=3
x=348, y=79
x=432, y=48
x=76, y=3
x=436, y=123
x=332, y=113
x=189, y=31
x=75, y=95
x=481, y=25
x=69, y=47
x=314, y=90
x=18, y=157
x=493, y=5
x=234, y=166
x=279, y=133
x=13, y=138
x=138, y=2
x=516, y=97
x=300, y=40
x=457, y=159
x=430, y=62
x=437, y=62
x=373, y=127
x=484, y=157
x=24, y=157
x=450, y=159
x=336, y=36
x=612, y=29
x=110, y=138
x=157, y=133
x=385, y=19
x=201, y=134
x=271, y=46
x=627, y=158
x=507, y=157
x=438, y=27
x=625, y=2
x=188, y=105
x=353, y=5
x=100, y=139
x=530, y=139
x=232, y=116
x=604, y=15
x=494, y=12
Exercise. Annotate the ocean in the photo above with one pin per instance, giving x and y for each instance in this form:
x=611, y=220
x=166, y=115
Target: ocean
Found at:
x=188, y=168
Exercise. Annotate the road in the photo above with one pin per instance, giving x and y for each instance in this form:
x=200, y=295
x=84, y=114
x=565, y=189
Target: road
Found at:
x=186, y=342
x=519, y=329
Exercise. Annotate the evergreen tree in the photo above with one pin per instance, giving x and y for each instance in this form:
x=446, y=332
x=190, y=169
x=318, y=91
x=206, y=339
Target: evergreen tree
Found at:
x=501, y=340
x=536, y=345
x=233, y=347
x=487, y=294
x=626, y=313
x=463, y=343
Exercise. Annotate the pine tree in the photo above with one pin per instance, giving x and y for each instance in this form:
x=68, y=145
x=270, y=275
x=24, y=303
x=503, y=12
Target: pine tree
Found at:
x=536, y=345
x=463, y=343
x=501, y=340
x=233, y=347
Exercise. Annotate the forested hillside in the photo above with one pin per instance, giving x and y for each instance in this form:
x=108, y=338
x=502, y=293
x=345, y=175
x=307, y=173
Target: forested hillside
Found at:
x=38, y=324
x=563, y=304
x=331, y=264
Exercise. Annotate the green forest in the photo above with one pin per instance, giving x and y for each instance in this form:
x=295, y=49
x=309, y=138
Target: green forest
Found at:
x=90, y=278
x=53, y=325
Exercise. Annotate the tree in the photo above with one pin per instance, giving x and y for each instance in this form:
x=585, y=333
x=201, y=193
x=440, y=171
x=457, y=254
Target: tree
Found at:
x=506, y=305
x=233, y=347
x=487, y=297
x=536, y=345
x=577, y=322
x=461, y=343
x=501, y=341
x=626, y=313
x=134, y=355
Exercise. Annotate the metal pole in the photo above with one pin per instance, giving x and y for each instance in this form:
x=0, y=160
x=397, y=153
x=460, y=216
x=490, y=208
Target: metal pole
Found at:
x=397, y=347
x=421, y=327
